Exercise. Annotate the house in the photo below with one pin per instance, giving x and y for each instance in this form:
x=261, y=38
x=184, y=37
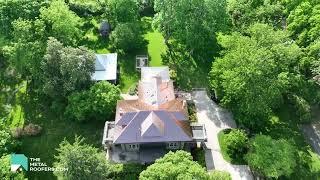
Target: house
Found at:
x=148, y=127
x=106, y=68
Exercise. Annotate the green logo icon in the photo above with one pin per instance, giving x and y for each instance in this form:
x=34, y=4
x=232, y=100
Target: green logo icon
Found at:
x=19, y=162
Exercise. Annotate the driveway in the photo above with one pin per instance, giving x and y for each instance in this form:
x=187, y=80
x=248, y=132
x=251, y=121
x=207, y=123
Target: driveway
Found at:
x=216, y=119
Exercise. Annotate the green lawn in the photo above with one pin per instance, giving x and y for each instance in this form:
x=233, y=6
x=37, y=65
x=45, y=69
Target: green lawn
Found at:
x=223, y=147
x=56, y=130
x=156, y=47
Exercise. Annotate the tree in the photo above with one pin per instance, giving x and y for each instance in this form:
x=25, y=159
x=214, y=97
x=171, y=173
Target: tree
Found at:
x=5, y=172
x=11, y=10
x=127, y=37
x=179, y=20
x=66, y=69
x=82, y=160
x=272, y=158
x=219, y=175
x=247, y=12
x=178, y=165
x=304, y=22
x=7, y=143
x=97, y=103
x=122, y=11
x=27, y=48
x=253, y=72
x=62, y=23
x=236, y=143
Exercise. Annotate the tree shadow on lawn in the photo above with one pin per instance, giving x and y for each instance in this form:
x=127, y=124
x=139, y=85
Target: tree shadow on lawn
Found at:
x=55, y=130
x=284, y=124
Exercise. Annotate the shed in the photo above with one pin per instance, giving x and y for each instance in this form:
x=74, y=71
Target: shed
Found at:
x=105, y=28
x=105, y=67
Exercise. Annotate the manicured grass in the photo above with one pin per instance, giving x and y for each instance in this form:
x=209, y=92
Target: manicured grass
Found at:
x=17, y=113
x=223, y=147
x=156, y=47
x=128, y=73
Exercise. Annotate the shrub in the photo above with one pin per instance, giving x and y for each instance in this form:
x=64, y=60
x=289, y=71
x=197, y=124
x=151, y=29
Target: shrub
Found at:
x=235, y=142
x=219, y=175
x=32, y=130
x=272, y=158
x=7, y=142
x=192, y=112
x=17, y=132
x=302, y=108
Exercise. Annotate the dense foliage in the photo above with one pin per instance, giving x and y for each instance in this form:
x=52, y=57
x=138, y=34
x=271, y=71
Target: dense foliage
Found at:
x=191, y=23
x=236, y=143
x=178, y=165
x=11, y=10
x=122, y=11
x=62, y=23
x=271, y=158
x=304, y=22
x=219, y=175
x=127, y=37
x=7, y=143
x=254, y=72
x=93, y=164
x=247, y=12
x=97, y=103
x=65, y=69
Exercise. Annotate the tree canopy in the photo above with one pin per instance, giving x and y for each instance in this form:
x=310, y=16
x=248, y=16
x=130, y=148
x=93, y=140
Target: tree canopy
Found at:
x=174, y=165
x=66, y=69
x=272, y=158
x=304, y=22
x=247, y=12
x=93, y=164
x=254, y=72
x=97, y=103
x=191, y=23
x=122, y=11
x=61, y=22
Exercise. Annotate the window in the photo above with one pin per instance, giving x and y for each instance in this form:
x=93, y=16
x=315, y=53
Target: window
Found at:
x=133, y=146
x=173, y=145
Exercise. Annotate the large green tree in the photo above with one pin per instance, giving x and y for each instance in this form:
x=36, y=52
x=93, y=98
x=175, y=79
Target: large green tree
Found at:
x=66, y=69
x=27, y=47
x=247, y=12
x=271, y=158
x=304, y=22
x=254, y=72
x=61, y=22
x=127, y=37
x=7, y=142
x=97, y=103
x=82, y=160
x=175, y=165
x=11, y=10
x=122, y=11
x=191, y=23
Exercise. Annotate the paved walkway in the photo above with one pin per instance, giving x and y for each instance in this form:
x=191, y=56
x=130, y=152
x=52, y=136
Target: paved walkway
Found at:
x=216, y=119
x=312, y=135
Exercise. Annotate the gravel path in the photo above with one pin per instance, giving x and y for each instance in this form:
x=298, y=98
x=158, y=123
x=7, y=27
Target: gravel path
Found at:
x=216, y=119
